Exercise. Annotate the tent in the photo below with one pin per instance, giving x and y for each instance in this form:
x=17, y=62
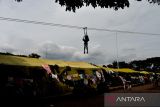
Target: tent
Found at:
x=122, y=70
x=25, y=61
x=144, y=72
x=35, y=62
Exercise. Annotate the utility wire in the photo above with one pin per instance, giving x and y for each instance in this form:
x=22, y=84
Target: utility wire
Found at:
x=71, y=26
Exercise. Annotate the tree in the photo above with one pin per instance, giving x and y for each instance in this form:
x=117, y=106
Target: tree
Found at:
x=110, y=66
x=7, y=53
x=122, y=64
x=114, y=64
x=72, y=5
x=34, y=55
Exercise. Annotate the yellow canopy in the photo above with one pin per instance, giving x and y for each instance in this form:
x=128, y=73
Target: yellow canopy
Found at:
x=80, y=65
x=25, y=61
x=144, y=72
x=124, y=70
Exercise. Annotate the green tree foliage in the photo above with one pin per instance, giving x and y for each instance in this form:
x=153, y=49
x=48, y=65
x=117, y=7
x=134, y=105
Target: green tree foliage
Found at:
x=146, y=64
x=72, y=5
x=7, y=53
x=139, y=65
x=34, y=55
x=122, y=64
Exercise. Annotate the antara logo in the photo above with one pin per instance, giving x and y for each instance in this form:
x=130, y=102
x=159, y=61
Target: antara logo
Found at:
x=113, y=100
x=130, y=99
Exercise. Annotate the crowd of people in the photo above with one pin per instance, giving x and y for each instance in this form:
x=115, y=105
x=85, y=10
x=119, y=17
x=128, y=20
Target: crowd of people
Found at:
x=55, y=82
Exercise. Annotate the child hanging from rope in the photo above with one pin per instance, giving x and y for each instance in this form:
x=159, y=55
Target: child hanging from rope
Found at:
x=85, y=39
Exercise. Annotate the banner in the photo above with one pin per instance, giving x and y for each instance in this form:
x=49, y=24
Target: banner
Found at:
x=47, y=68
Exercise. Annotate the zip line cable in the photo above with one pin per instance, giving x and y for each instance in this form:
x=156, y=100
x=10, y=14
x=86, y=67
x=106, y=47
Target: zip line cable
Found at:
x=38, y=22
x=71, y=26
x=120, y=31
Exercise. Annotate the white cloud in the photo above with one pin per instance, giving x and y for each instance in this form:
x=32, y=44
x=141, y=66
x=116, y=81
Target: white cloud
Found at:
x=67, y=43
x=53, y=51
x=7, y=48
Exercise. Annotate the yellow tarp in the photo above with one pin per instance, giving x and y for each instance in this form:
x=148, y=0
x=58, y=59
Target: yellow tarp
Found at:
x=144, y=72
x=124, y=70
x=80, y=65
x=24, y=61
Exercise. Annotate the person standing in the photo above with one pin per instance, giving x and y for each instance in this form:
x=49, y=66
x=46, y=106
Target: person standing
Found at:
x=85, y=40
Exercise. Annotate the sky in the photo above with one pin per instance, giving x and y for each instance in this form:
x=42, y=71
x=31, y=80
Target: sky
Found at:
x=66, y=44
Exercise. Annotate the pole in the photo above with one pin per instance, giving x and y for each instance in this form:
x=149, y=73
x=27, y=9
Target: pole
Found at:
x=117, y=50
x=46, y=51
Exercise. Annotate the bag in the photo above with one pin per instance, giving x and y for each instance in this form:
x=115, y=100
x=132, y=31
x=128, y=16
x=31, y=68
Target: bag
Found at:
x=86, y=38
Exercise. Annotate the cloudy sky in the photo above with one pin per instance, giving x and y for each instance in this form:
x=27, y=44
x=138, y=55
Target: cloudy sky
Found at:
x=64, y=43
